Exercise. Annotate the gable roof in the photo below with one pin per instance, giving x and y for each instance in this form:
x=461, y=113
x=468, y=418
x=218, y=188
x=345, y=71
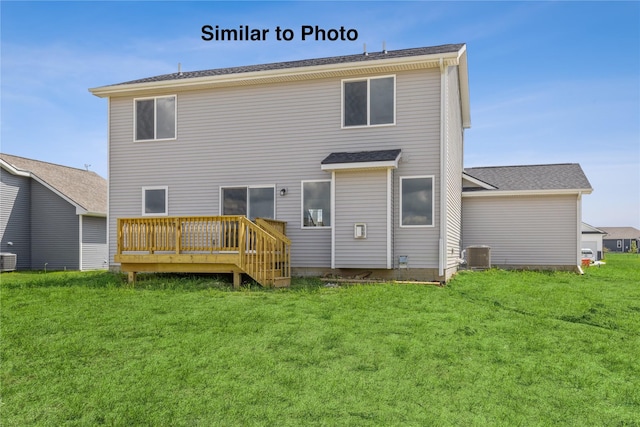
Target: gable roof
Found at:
x=563, y=177
x=621, y=232
x=333, y=60
x=590, y=229
x=85, y=189
x=335, y=66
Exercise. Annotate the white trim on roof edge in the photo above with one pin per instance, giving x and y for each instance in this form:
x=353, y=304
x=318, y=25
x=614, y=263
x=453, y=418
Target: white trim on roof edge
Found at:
x=388, y=164
x=478, y=182
x=458, y=58
x=500, y=193
x=15, y=171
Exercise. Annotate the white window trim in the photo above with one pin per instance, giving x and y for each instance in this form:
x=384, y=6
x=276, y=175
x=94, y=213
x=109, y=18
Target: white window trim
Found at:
x=221, y=200
x=166, y=200
x=155, y=118
x=368, y=80
x=433, y=206
x=331, y=201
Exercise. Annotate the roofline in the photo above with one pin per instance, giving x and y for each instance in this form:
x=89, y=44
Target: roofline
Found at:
x=501, y=193
x=80, y=210
x=13, y=170
x=593, y=230
x=455, y=58
x=479, y=182
x=386, y=164
x=293, y=73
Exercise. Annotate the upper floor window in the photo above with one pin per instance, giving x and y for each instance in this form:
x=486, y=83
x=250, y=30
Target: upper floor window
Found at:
x=316, y=204
x=155, y=118
x=416, y=201
x=369, y=102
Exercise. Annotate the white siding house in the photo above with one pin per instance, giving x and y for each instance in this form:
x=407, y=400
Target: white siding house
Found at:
x=530, y=215
x=361, y=156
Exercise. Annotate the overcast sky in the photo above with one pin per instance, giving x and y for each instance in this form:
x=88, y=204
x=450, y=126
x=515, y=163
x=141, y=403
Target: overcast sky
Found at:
x=550, y=82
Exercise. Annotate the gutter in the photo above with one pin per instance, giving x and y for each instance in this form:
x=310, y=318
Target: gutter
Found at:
x=299, y=73
x=493, y=193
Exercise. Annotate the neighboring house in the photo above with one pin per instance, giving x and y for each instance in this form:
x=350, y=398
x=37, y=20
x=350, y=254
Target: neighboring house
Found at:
x=618, y=239
x=360, y=155
x=592, y=239
x=529, y=215
x=52, y=216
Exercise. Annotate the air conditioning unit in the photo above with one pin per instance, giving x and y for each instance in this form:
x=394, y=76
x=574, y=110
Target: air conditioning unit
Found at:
x=479, y=256
x=8, y=261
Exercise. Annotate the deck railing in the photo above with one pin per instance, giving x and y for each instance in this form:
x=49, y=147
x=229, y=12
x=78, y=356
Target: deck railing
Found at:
x=263, y=249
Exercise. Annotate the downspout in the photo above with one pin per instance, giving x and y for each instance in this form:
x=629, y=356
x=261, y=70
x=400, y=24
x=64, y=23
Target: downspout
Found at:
x=389, y=213
x=80, y=217
x=333, y=219
x=442, y=242
x=109, y=258
x=579, y=232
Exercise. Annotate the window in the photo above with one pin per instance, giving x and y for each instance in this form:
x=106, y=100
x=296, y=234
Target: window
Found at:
x=316, y=203
x=155, y=118
x=368, y=102
x=155, y=201
x=619, y=244
x=416, y=201
x=252, y=202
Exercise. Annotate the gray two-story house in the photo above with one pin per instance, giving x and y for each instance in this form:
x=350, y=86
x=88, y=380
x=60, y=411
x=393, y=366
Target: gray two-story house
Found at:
x=355, y=162
x=52, y=217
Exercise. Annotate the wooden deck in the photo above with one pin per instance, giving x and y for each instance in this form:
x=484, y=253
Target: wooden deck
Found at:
x=211, y=244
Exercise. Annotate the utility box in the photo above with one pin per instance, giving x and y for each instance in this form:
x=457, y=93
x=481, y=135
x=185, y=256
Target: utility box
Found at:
x=478, y=256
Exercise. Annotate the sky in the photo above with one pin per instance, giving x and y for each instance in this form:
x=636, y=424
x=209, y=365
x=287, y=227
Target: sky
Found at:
x=550, y=82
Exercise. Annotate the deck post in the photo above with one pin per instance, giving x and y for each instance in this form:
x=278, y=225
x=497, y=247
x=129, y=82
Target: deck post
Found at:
x=177, y=224
x=237, y=279
x=131, y=277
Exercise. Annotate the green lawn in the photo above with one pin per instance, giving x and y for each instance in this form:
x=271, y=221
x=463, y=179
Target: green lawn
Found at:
x=491, y=348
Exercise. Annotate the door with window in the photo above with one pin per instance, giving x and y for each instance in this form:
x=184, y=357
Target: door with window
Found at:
x=252, y=202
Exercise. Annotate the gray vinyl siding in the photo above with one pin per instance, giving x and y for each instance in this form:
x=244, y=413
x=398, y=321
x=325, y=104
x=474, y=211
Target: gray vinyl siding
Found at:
x=15, y=226
x=94, y=243
x=54, y=231
x=273, y=134
x=361, y=197
x=454, y=138
x=531, y=230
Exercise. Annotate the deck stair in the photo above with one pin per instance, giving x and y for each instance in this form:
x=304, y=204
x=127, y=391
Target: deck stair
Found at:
x=206, y=244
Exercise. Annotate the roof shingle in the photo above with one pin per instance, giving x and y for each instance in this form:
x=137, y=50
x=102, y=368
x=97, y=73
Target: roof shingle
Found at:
x=370, y=56
x=362, y=156
x=621, y=232
x=85, y=188
x=564, y=176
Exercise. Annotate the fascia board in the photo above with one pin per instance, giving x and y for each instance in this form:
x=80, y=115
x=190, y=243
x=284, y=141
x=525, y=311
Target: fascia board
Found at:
x=79, y=209
x=13, y=170
x=93, y=214
x=289, y=74
x=500, y=193
x=463, y=76
x=478, y=182
x=390, y=164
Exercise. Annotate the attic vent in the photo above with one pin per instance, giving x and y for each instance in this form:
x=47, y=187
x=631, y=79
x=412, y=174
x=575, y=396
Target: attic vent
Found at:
x=8, y=261
x=479, y=256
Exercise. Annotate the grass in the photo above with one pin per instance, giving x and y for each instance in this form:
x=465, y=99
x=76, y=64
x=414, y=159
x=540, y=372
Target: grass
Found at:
x=491, y=348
